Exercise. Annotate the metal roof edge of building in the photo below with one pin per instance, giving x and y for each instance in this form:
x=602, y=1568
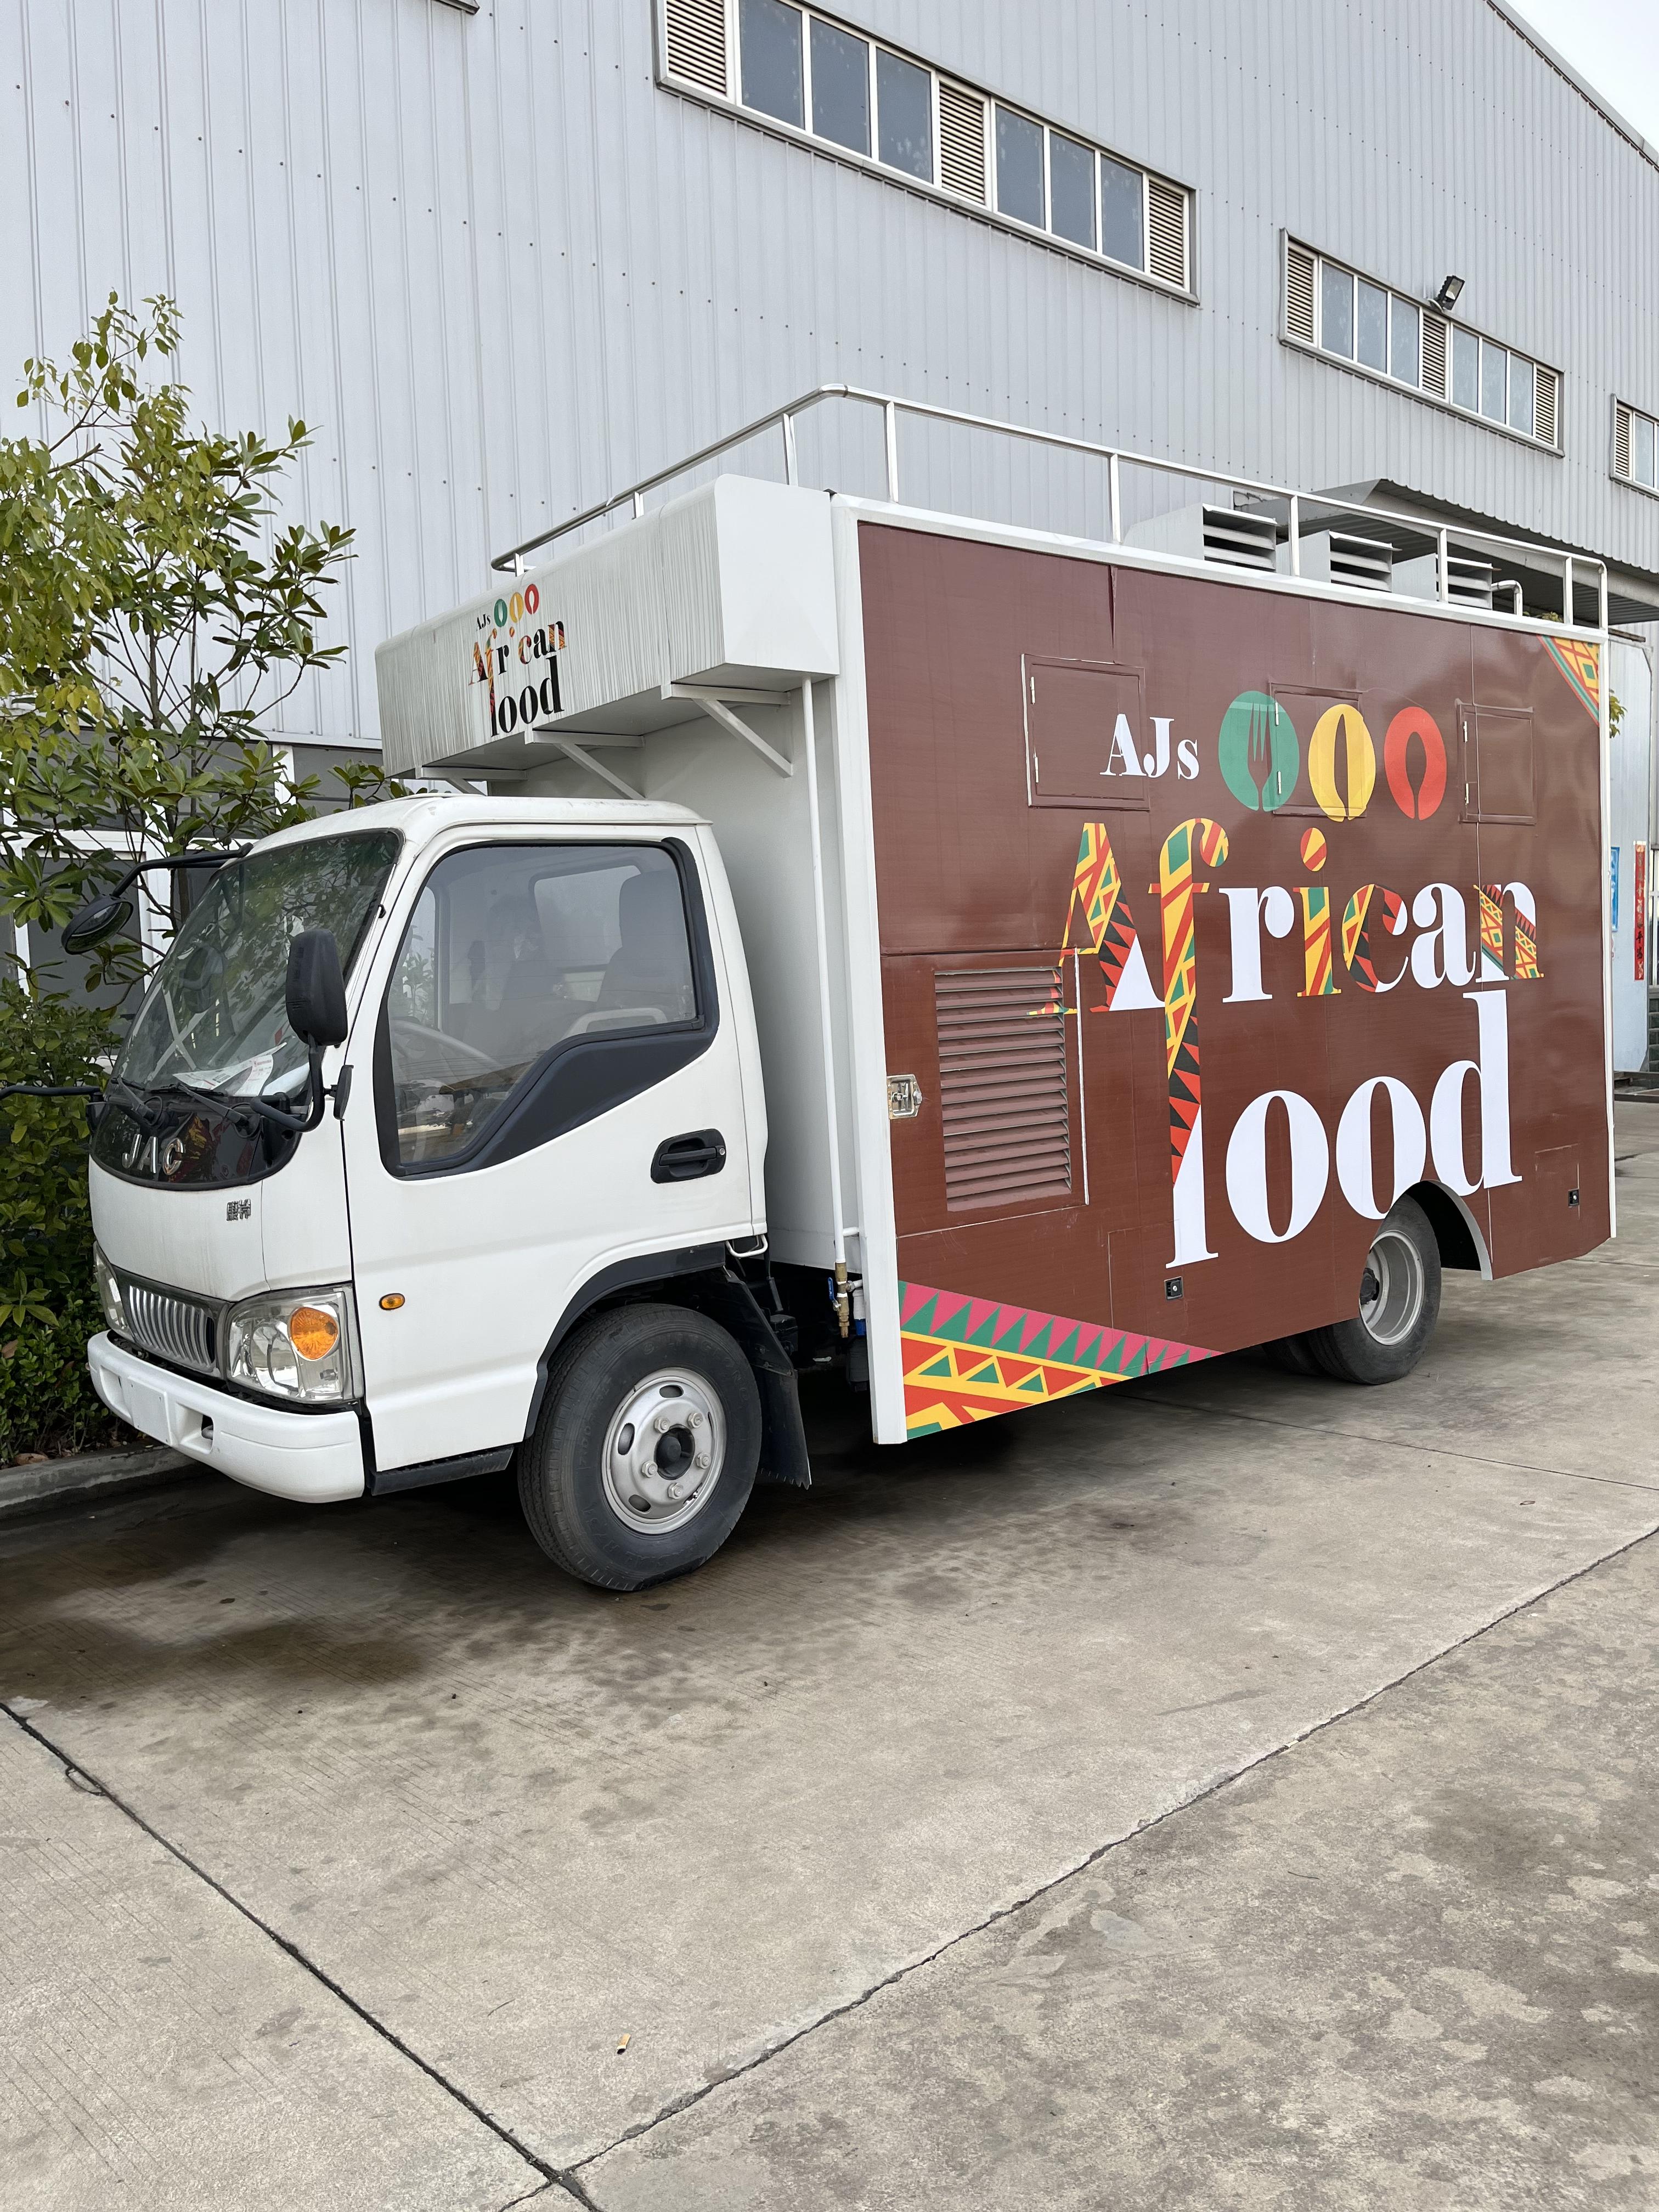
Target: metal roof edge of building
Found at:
x=1540, y=45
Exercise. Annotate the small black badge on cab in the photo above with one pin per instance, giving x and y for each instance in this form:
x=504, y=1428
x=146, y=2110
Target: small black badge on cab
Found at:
x=240, y=1209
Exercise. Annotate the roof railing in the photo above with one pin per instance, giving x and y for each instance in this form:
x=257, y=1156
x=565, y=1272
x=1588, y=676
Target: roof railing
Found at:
x=1117, y=458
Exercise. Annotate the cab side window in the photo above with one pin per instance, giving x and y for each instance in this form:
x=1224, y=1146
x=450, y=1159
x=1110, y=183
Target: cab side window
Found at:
x=513, y=952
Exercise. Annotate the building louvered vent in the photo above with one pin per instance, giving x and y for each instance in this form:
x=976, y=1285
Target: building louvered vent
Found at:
x=697, y=43
x=1299, y=294
x=961, y=141
x=1002, y=1087
x=1365, y=564
x=1166, y=232
x=1621, y=441
x=1243, y=540
x=1543, y=420
x=1434, y=356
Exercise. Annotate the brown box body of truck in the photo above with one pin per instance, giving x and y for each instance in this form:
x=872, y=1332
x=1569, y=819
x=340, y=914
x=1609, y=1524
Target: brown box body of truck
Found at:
x=1215, y=918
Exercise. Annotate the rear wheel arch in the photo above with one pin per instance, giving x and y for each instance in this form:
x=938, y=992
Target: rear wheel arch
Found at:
x=1461, y=1240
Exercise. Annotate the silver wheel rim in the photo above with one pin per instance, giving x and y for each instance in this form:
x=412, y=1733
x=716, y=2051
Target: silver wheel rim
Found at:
x=664, y=1450
x=1391, y=1288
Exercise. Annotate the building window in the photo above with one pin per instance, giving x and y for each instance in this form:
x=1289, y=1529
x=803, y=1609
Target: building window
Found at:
x=773, y=82
x=809, y=72
x=1334, y=310
x=1635, y=447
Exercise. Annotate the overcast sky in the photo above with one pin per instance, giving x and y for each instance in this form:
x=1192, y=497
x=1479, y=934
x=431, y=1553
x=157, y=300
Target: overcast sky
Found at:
x=1613, y=45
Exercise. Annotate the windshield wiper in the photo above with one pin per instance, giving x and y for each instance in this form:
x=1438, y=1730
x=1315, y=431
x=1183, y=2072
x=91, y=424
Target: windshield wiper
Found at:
x=280, y=1117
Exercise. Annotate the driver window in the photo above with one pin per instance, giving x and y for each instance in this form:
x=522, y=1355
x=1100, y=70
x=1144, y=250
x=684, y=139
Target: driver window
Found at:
x=512, y=950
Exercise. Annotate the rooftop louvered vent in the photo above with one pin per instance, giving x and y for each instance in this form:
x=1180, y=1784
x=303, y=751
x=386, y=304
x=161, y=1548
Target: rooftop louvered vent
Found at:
x=1468, y=583
x=696, y=44
x=1002, y=1087
x=1366, y=563
x=1243, y=540
x=1299, y=294
x=1166, y=225
x=961, y=141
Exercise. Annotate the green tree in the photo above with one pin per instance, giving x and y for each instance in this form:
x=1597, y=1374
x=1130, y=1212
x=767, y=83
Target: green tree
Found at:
x=155, y=608
x=154, y=611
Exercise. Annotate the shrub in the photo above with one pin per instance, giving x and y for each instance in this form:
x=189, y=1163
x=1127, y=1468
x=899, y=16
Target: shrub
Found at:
x=48, y=1308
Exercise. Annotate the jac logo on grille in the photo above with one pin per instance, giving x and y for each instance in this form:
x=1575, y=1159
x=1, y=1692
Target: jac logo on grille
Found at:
x=240, y=1209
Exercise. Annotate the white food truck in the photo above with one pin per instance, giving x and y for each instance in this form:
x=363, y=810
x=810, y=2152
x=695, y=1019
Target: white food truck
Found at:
x=803, y=968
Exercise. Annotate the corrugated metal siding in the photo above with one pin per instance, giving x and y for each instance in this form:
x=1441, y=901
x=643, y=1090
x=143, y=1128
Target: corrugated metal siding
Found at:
x=501, y=270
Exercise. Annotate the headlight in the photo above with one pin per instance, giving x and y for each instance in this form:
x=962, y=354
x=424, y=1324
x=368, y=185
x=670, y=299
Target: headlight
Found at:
x=109, y=1294
x=293, y=1344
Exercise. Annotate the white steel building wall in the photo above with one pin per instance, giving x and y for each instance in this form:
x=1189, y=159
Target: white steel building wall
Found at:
x=501, y=270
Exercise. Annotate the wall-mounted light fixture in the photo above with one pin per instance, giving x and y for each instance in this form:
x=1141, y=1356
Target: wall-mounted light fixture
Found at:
x=1448, y=295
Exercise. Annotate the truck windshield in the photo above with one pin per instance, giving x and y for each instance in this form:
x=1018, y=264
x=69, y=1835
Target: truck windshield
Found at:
x=215, y=1018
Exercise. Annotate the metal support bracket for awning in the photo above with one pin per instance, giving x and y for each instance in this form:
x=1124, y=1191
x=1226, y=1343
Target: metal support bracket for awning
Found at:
x=583, y=758
x=717, y=703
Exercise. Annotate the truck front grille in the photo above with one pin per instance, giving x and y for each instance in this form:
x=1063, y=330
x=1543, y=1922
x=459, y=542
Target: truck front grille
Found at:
x=173, y=1327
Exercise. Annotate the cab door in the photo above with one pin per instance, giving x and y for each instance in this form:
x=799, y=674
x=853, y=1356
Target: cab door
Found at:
x=554, y=1088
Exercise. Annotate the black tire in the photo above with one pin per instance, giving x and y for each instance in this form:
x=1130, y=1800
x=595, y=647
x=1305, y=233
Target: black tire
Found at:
x=1399, y=1304
x=575, y=1492
x=1293, y=1354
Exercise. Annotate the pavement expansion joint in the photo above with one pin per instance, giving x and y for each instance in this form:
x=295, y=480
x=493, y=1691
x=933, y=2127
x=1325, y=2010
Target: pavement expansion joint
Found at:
x=696, y=2096
x=79, y=1778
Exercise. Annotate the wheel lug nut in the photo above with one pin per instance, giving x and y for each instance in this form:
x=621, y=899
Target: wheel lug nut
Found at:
x=701, y=1460
x=693, y=1419
x=673, y=1490
x=661, y=1424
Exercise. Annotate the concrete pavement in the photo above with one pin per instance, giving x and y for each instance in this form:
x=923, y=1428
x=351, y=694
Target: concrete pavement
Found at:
x=515, y=1821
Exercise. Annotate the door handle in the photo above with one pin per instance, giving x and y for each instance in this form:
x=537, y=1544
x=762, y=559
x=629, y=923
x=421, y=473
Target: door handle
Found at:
x=682, y=1159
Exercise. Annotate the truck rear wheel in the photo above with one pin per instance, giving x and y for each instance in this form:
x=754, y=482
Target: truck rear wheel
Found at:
x=645, y=1451
x=1399, y=1304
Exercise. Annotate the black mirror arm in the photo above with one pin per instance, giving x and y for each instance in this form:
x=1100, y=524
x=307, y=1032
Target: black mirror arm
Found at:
x=176, y=860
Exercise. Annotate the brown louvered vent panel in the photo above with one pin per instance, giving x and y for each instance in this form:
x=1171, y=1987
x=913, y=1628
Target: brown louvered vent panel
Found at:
x=1166, y=232
x=1544, y=408
x=1620, y=441
x=961, y=141
x=1299, y=294
x=1434, y=356
x=697, y=43
x=1002, y=1087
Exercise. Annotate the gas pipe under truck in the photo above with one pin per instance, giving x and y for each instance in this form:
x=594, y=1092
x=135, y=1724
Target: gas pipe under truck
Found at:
x=987, y=964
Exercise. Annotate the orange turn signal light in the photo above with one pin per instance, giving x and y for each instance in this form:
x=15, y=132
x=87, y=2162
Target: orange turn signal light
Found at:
x=391, y=1301
x=313, y=1333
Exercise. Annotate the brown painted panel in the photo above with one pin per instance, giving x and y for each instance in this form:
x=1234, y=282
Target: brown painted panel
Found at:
x=1083, y=722
x=1334, y=1016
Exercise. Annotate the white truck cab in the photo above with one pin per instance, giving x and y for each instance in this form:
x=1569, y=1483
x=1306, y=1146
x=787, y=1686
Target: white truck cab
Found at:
x=547, y=1093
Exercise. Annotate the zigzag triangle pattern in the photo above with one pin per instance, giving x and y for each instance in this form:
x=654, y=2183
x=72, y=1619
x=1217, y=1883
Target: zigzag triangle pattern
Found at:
x=968, y=1359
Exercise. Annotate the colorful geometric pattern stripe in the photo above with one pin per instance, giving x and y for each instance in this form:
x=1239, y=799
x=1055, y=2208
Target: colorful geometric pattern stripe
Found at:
x=1206, y=841
x=1581, y=664
x=1358, y=919
x=968, y=1359
x=1098, y=890
x=1320, y=981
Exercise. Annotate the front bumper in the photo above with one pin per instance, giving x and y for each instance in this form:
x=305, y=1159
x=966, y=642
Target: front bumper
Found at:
x=316, y=1458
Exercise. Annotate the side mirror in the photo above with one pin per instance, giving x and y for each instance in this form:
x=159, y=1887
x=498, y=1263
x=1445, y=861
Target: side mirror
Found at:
x=316, y=1001
x=100, y=918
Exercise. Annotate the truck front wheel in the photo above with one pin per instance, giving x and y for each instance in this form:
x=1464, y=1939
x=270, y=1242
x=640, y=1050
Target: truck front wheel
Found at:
x=1399, y=1304
x=645, y=1451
